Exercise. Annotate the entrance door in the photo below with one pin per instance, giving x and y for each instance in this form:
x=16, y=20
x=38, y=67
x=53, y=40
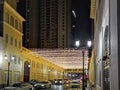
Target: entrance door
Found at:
x=26, y=71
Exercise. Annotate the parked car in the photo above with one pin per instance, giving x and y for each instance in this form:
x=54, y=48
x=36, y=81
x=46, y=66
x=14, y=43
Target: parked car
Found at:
x=44, y=84
x=9, y=88
x=34, y=81
x=25, y=86
x=58, y=81
x=52, y=81
x=66, y=81
x=75, y=84
x=17, y=86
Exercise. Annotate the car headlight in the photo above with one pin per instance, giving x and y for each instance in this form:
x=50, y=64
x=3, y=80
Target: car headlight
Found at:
x=42, y=85
x=60, y=81
x=35, y=85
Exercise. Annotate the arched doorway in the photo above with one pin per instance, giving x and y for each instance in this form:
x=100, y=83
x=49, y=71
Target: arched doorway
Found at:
x=26, y=71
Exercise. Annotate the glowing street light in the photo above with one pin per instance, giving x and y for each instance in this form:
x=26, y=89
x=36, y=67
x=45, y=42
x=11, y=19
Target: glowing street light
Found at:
x=77, y=43
x=89, y=43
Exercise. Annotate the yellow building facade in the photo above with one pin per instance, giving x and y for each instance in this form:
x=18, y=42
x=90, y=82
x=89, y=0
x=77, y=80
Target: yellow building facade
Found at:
x=26, y=65
x=12, y=43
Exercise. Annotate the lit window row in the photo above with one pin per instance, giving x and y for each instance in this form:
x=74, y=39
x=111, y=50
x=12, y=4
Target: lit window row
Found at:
x=12, y=41
x=17, y=60
x=34, y=64
x=12, y=21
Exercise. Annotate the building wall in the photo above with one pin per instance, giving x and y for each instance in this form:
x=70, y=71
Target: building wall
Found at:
x=1, y=57
x=41, y=69
x=115, y=43
x=101, y=22
x=11, y=45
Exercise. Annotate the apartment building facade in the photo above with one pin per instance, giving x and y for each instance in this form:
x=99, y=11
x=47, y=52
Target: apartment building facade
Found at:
x=106, y=44
x=48, y=23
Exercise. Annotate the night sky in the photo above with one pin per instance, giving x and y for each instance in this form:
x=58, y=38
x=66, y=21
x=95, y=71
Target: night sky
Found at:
x=82, y=30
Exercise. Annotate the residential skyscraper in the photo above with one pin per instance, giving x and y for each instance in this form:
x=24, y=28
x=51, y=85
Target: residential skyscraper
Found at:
x=55, y=23
x=30, y=11
x=48, y=23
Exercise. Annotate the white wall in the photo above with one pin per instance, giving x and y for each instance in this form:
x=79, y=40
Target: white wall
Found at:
x=102, y=22
x=114, y=76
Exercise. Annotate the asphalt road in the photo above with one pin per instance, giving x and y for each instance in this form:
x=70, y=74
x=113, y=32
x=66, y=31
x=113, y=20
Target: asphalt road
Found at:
x=61, y=87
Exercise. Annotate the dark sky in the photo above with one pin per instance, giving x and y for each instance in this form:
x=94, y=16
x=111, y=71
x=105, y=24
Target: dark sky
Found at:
x=83, y=22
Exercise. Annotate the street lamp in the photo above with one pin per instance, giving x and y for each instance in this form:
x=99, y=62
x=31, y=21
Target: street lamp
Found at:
x=77, y=43
x=9, y=61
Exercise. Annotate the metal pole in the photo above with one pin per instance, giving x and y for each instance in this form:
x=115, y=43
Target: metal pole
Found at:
x=83, y=88
x=8, y=73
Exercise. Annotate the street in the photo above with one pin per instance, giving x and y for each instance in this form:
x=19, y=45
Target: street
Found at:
x=61, y=87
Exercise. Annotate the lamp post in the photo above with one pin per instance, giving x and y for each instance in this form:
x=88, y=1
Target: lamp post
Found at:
x=83, y=88
x=9, y=61
x=77, y=43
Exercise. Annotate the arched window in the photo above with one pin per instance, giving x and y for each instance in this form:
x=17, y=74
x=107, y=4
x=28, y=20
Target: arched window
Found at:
x=12, y=21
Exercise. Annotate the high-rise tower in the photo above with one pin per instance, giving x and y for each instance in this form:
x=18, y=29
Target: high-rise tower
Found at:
x=29, y=9
x=55, y=23
x=48, y=23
